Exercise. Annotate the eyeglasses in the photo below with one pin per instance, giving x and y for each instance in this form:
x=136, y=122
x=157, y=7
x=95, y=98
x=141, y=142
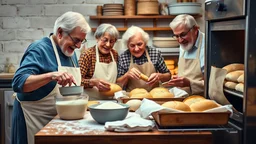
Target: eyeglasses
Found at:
x=182, y=35
x=76, y=40
x=105, y=40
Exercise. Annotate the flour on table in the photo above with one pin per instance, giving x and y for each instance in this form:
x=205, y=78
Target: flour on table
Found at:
x=109, y=105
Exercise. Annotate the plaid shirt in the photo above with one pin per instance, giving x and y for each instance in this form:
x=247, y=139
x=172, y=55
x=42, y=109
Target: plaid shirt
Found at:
x=154, y=54
x=87, y=63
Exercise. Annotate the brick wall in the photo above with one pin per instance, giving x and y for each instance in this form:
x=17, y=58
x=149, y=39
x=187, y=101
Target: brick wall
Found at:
x=24, y=21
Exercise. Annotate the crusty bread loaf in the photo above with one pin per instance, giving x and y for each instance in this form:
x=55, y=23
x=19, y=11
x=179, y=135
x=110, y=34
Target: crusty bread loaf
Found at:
x=234, y=75
x=143, y=77
x=134, y=104
x=203, y=105
x=113, y=88
x=139, y=93
x=229, y=84
x=241, y=79
x=240, y=87
x=233, y=67
x=192, y=99
x=160, y=92
x=176, y=105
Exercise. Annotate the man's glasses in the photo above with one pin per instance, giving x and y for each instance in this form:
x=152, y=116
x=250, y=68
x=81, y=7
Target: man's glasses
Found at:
x=182, y=35
x=76, y=40
x=105, y=40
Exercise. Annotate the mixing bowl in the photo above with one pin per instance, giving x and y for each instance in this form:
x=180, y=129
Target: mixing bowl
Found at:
x=102, y=115
x=71, y=107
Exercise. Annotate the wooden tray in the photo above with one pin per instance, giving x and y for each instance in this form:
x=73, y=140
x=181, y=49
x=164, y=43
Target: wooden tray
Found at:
x=157, y=100
x=191, y=118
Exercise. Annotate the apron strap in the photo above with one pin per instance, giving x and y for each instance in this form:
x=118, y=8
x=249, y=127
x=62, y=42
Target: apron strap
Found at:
x=147, y=55
x=199, y=45
x=55, y=51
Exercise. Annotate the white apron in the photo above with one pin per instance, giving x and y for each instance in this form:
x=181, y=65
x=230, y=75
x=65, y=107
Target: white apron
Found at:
x=38, y=113
x=191, y=69
x=104, y=71
x=147, y=68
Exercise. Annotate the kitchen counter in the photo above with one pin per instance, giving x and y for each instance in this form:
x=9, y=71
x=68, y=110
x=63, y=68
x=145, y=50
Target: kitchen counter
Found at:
x=88, y=131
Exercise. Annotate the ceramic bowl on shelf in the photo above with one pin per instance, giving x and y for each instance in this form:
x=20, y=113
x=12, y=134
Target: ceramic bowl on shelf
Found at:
x=184, y=8
x=165, y=42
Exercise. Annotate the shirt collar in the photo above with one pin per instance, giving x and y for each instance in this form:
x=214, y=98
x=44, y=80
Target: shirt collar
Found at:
x=143, y=55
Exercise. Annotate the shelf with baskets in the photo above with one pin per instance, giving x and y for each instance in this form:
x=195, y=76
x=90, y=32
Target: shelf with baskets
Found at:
x=125, y=18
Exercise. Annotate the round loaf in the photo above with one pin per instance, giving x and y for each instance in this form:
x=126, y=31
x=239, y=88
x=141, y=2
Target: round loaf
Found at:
x=113, y=88
x=139, y=93
x=134, y=104
x=192, y=99
x=176, y=105
x=160, y=92
x=203, y=105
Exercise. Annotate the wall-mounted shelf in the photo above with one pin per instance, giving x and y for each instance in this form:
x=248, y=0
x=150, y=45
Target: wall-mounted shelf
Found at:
x=125, y=18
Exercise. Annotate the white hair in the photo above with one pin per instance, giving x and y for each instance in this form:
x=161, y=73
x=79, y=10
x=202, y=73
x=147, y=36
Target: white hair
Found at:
x=183, y=19
x=133, y=30
x=70, y=20
x=106, y=28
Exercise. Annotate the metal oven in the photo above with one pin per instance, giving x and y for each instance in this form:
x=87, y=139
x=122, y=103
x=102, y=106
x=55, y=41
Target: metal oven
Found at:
x=231, y=38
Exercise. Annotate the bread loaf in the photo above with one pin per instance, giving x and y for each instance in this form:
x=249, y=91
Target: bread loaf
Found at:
x=139, y=93
x=241, y=79
x=160, y=92
x=233, y=67
x=176, y=105
x=113, y=88
x=202, y=105
x=192, y=99
x=234, y=75
x=134, y=104
x=171, y=62
x=240, y=87
x=143, y=77
x=229, y=84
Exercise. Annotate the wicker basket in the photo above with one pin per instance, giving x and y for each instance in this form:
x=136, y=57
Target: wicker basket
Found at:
x=147, y=7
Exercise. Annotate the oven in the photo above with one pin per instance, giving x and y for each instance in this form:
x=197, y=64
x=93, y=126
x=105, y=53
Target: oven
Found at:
x=231, y=38
x=6, y=107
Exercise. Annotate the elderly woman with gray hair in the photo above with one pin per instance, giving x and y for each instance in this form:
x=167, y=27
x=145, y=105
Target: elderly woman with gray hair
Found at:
x=47, y=64
x=98, y=64
x=139, y=59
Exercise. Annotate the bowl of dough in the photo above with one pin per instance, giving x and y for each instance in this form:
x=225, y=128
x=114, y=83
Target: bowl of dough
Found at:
x=108, y=111
x=71, y=107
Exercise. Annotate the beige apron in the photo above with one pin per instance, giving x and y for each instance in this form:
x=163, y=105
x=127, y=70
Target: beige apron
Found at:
x=191, y=69
x=38, y=113
x=104, y=71
x=147, y=68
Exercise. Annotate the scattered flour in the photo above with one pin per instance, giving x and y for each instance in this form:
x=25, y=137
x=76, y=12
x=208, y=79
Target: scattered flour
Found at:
x=82, y=126
x=109, y=105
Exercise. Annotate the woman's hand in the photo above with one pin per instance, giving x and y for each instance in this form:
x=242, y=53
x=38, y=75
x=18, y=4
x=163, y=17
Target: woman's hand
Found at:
x=133, y=74
x=154, y=78
x=63, y=78
x=100, y=84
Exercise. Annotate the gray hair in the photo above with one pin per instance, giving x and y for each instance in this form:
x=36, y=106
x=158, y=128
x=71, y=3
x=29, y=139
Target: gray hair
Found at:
x=70, y=20
x=106, y=28
x=133, y=30
x=183, y=19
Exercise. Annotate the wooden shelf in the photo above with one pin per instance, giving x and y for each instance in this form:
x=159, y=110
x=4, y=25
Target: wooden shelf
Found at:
x=138, y=17
x=144, y=28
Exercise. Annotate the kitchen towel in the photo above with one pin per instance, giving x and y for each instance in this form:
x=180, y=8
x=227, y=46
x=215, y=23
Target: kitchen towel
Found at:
x=133, y=122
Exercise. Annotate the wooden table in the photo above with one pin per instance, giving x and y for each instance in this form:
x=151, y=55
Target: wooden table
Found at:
x=87, y=131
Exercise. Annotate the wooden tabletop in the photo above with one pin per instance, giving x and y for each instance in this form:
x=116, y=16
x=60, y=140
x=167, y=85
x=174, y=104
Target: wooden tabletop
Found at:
x=88, y=131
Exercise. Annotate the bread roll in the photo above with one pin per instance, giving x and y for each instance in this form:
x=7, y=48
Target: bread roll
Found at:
x=240, y=87
x=202, y=105
x=160, y=92
x=170, y=67
x=176, y=105
x=192, y=99
x=233, y=67
x=229, y=84
x=241, y=79
x=139, y=93
x=113, y=88
x=234, y=75
x=171, y=62
x=144, y=77
x=134, y=104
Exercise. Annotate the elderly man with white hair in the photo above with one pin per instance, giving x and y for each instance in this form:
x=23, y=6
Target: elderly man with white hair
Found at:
x=47, y=64
x=191, y=58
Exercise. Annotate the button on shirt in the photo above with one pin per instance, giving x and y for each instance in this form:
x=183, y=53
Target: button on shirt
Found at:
x=191, y=54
